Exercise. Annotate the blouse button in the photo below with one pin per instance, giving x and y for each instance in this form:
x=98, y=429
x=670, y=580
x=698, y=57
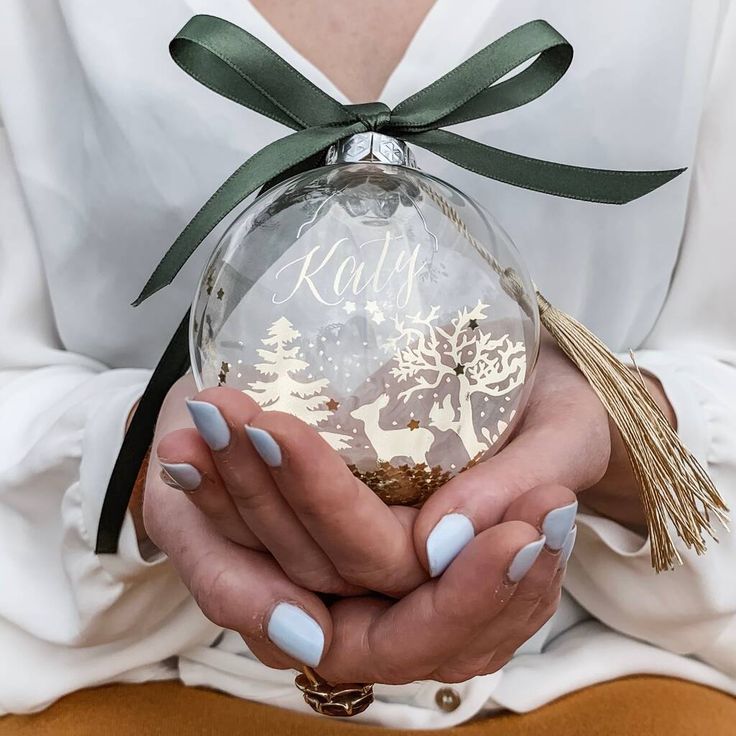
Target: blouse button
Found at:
x=447, y=699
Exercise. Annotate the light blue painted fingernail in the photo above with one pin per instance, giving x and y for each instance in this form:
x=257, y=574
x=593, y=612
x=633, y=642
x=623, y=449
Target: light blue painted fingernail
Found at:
x=568, y=546
x=557, y=525
x=265, y=445
x=524, y=560
x=295, y=632
x=446, y=541
x=182, y=476
x=210, y=424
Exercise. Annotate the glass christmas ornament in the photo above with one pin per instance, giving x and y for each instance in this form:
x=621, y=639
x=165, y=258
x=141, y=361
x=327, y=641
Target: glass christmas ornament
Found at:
x=381, y=306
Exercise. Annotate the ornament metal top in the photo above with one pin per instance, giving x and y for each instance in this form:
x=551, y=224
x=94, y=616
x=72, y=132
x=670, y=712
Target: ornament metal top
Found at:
x=372, y=301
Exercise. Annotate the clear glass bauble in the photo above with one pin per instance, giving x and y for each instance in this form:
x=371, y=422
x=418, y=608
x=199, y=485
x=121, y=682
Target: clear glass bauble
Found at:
x=381, y=306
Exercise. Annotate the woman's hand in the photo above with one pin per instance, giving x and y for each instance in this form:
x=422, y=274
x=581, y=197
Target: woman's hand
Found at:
x=275, y=509
x=295, y=490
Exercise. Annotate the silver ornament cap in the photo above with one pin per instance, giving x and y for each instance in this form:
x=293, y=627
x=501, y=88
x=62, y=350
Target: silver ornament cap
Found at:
x=371, y=147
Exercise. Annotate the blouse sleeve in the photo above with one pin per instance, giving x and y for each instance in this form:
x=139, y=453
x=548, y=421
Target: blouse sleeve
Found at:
x=63, y=609
x=692, y=351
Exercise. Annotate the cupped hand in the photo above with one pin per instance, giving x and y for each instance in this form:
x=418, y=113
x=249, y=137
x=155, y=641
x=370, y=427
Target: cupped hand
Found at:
x=272, y=513
x=267, y=480
x=498, y=591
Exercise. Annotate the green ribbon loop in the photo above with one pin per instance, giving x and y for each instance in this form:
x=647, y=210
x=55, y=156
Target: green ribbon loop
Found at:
x=236, y=65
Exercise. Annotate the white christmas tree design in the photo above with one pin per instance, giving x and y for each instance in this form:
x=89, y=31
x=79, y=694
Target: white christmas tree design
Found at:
x=283, y=392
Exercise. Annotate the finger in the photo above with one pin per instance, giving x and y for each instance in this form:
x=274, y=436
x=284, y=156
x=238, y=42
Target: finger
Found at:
x=412, y=638
x=544, y=610
x=238, y=588
x=551, y=508
x=370, y=544
x=185, y=463
x=522, y=631
x=526, y=612
x=221, y=415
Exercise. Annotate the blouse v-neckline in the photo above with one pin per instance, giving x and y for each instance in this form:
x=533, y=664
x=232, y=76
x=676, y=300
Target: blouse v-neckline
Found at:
x=430, y=53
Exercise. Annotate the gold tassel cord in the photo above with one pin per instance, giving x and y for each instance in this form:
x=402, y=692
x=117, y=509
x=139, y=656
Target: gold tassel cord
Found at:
x=510, y=282
x=676, y=491
x=674, y=487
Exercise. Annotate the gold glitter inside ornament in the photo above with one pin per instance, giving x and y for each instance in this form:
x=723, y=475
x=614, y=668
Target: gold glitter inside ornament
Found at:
x=382, y=307
x=406, y=485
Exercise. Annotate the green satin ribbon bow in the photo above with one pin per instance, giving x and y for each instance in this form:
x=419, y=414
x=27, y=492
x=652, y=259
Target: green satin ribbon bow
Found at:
x=238, y=66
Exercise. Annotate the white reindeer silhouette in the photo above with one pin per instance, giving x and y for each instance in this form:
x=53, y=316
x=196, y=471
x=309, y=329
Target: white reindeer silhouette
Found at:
x=442, y=416
x=391, y=443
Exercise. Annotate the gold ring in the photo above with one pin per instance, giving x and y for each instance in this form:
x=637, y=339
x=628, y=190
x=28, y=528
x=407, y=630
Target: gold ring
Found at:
x=339, y=701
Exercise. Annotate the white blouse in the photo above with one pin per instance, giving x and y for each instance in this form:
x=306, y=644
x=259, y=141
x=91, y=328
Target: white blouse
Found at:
x=107, y=149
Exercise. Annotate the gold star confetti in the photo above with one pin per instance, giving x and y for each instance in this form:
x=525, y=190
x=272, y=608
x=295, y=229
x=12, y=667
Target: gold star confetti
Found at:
x=332, y=405
x=224, y=370
x=473, y=324
x=210, y=283
x=413, y=424
x=220, y=293
x=406, y=485
x=459, y=369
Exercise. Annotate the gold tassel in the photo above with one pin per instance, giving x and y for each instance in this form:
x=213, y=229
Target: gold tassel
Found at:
x=674, y=487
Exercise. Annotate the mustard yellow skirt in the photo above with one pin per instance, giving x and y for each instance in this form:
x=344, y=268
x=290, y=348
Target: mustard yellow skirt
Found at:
x=635, y=706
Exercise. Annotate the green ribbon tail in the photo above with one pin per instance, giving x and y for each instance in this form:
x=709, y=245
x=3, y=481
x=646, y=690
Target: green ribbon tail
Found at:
x=271, y=161
x=574, y=182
